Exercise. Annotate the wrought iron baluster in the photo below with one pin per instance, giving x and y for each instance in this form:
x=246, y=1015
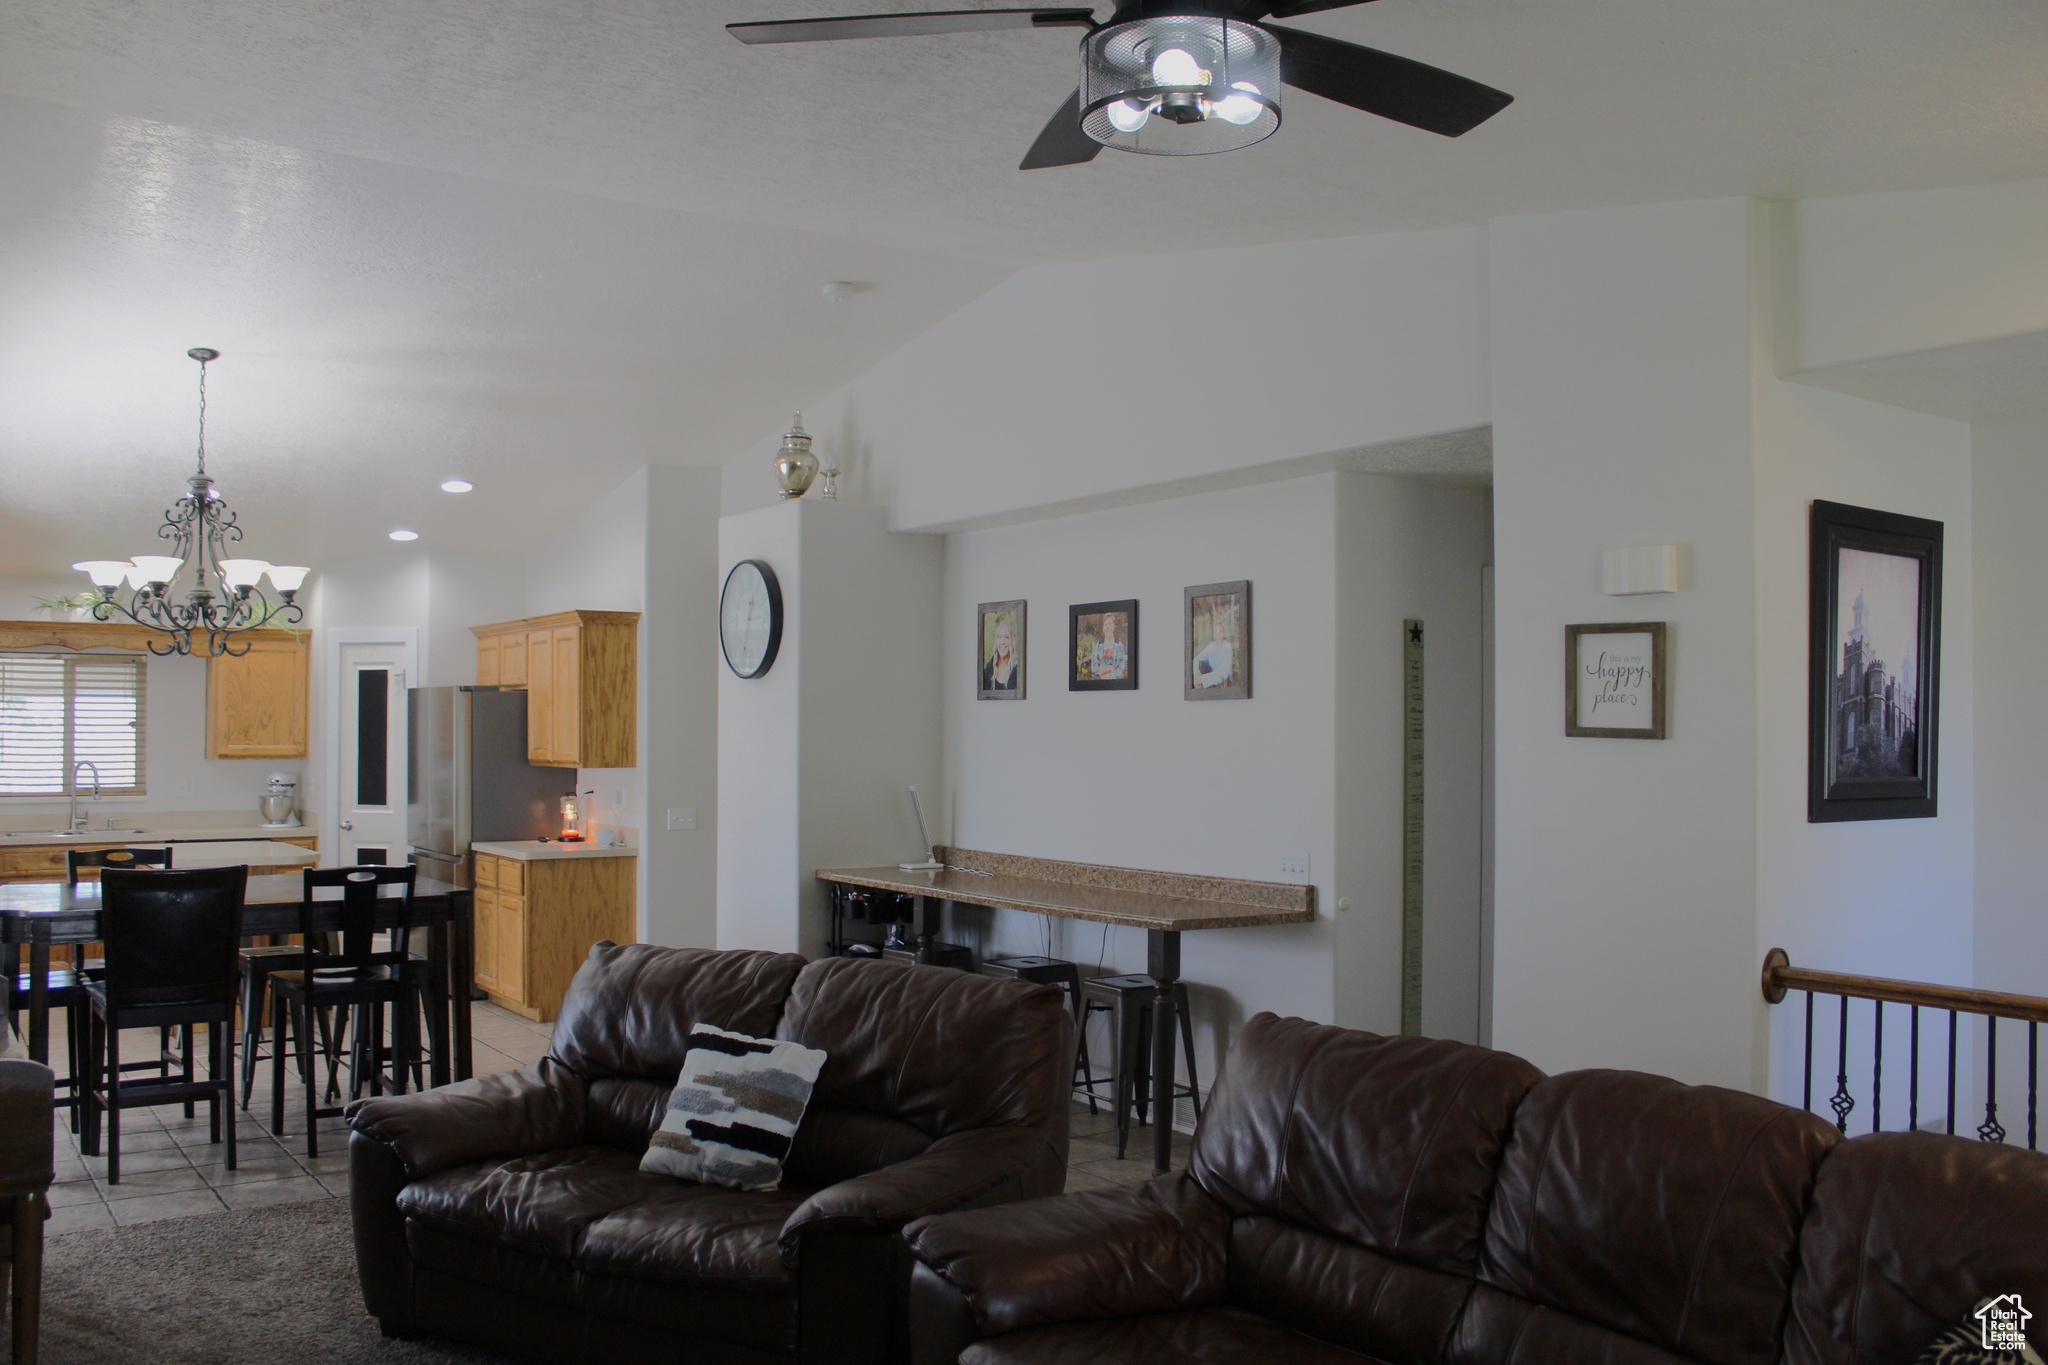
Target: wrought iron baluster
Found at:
x=1843, y=1102
x=2033, y=1080
x=1806, y=1102
x=1913, y=1091
x=1989, y=1130
x=1877, y=1070
x=1951, y=1121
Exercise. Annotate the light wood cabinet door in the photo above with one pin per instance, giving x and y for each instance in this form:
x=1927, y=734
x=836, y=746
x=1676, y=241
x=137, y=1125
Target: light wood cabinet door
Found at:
x=256, y=703
x=485, y=934
x=567, y=745
x=489, y=657
x=511, y=660
x=540, y=697
x=511, y=948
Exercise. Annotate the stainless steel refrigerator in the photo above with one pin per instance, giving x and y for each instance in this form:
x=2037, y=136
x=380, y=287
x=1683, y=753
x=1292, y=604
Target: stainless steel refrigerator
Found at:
x=468, y=779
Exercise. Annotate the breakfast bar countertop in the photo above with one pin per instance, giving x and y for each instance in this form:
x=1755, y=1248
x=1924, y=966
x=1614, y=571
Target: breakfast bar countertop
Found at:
x=534, y=850
x=1108, y=895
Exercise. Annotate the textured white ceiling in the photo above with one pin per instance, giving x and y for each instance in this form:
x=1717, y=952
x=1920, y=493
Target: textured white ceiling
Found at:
x=381, y=329
x=914, y=142
x=542, y=242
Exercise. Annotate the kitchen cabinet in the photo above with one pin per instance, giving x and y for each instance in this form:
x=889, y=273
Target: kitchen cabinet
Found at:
x=256, y=702
x=579, y=670
x=535, y=920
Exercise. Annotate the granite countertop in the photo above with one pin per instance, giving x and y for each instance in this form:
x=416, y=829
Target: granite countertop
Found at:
x=533, y=850
x=156, y=836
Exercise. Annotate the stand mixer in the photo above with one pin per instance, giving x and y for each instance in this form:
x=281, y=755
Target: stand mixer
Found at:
x=280, y=801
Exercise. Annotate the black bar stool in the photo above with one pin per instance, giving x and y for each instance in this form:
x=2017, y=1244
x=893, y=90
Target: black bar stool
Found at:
x=1055, y=971
x=1128, y=1001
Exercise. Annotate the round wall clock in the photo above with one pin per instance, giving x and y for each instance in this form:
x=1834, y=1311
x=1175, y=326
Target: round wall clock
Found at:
x=750, y=618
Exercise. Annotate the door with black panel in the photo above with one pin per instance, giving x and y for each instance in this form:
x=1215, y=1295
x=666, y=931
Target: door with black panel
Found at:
x=373, y=755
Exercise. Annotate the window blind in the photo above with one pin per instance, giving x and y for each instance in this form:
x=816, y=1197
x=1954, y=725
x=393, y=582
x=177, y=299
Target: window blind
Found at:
x=59, y=710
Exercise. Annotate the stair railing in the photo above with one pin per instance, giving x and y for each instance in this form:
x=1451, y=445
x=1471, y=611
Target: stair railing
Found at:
x=1780, y=976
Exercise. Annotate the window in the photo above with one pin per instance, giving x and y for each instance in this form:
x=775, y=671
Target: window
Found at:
x=60, y=710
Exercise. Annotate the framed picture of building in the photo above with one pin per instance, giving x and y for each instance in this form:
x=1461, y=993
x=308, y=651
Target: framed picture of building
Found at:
x=999, y=651
x=1219, y=644
x=1874, y=664
x=1614, y=680
x=1102, y=646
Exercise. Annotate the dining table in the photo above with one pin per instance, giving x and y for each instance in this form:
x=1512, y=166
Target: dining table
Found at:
x=1163, y=904
x=40, y=914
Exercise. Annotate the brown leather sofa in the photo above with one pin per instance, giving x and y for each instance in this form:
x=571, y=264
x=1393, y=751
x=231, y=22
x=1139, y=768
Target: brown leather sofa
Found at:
x=510, y=1210
x=1409, y=1200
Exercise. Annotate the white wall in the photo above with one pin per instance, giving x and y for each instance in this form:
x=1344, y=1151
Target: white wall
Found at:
x=2009, y=492
x=814, y=757
x=1073, y=381
x=1625, y=869
x=1408, y=548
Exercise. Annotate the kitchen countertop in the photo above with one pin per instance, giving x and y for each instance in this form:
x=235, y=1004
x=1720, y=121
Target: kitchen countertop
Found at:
x=155, y=837
x=533, y=850
x=229, y=853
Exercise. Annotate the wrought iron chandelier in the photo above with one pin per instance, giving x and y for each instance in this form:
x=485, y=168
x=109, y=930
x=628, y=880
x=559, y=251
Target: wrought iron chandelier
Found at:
x=223, y=600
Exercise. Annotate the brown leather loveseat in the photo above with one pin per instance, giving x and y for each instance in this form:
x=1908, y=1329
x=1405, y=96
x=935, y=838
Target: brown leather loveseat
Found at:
x=510, y=1210
x=1421, y=1202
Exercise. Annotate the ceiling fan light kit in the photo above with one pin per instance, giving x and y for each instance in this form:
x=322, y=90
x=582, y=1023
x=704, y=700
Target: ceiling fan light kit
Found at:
x=1186, y=77
x=1180, y=85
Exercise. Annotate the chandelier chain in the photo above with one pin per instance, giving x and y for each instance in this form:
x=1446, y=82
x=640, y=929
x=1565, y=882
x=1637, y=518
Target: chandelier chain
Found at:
x=202, y=417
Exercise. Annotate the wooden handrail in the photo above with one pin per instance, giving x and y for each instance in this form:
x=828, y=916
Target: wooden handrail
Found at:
x=1781, y=976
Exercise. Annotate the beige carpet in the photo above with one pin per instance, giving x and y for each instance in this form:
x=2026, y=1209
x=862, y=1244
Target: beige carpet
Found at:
x=260, y=1287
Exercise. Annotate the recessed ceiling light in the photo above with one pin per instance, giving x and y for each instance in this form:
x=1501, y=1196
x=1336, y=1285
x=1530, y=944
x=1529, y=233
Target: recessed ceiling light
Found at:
x=405, y=535
x=457, y=486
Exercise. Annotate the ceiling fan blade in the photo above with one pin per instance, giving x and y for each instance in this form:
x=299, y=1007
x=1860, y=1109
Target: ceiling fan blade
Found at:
x=908, y=25
x=1288, y=9
x=1061, y=142
x=1381, y=83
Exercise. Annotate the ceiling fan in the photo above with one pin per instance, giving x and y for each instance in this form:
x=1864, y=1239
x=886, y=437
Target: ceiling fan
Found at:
x=1183, y=77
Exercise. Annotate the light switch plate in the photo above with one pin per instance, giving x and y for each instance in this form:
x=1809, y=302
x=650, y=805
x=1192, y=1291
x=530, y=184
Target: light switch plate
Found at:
x=682, y=817
x=1294, y=867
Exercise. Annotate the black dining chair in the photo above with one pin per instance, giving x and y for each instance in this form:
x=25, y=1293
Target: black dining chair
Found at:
x=171, y=940
x=90, y=968
x=363, y=977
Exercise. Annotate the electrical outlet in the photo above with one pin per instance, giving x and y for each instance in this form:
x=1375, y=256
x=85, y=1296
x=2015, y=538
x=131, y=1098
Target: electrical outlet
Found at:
x=186, y=786
x=682, y=817
x=1294, y=867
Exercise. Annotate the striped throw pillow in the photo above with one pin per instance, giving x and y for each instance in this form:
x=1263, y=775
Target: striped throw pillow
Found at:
x=734, y=1110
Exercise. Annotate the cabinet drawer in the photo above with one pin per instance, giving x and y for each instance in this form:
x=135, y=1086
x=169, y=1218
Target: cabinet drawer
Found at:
x=511, y=876
x=486, y=870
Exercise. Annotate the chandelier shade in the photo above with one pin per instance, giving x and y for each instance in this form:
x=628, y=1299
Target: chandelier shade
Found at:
x=223, y=598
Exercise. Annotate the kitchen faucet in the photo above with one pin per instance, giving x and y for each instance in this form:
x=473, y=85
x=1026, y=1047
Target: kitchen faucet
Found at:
x=78, y=825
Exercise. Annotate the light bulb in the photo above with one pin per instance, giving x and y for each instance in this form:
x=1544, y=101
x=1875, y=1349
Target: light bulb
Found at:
x=1240, y=108
x=1177, y=67
x=242, y=573
x=1127, y=117
x=106, y=573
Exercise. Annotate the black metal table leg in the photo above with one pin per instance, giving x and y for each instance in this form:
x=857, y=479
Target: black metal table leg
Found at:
x=462, y=952
x=39, y=994
x=440, y=991
x=1162, y=958
x=927, y=911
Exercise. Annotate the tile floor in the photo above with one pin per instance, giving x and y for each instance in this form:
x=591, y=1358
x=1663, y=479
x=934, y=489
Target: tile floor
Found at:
x=170, y=1170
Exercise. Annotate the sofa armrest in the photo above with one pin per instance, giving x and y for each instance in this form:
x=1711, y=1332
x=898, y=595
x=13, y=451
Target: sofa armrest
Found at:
x=1152, y=1248
x=961, y=1170
x=512, y=1113
x=27, y=1099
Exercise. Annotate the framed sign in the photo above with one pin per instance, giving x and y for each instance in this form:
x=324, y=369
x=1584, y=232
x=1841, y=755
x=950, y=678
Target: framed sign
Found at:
x=1219, y=627
x=1875, y=664
x=1102, y=646
x=1614, y=680
x=999, y=651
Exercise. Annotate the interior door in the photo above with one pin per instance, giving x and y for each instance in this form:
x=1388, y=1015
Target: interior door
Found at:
x=372, y=754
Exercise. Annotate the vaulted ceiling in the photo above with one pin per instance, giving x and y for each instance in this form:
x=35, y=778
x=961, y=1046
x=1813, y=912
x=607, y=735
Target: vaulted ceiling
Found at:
x=541, y=242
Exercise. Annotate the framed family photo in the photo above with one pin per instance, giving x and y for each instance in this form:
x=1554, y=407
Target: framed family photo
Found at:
x=1102, y=646
x=1219, y=642
x=1614, y=680
x=999, y=651
x=1874, y=672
